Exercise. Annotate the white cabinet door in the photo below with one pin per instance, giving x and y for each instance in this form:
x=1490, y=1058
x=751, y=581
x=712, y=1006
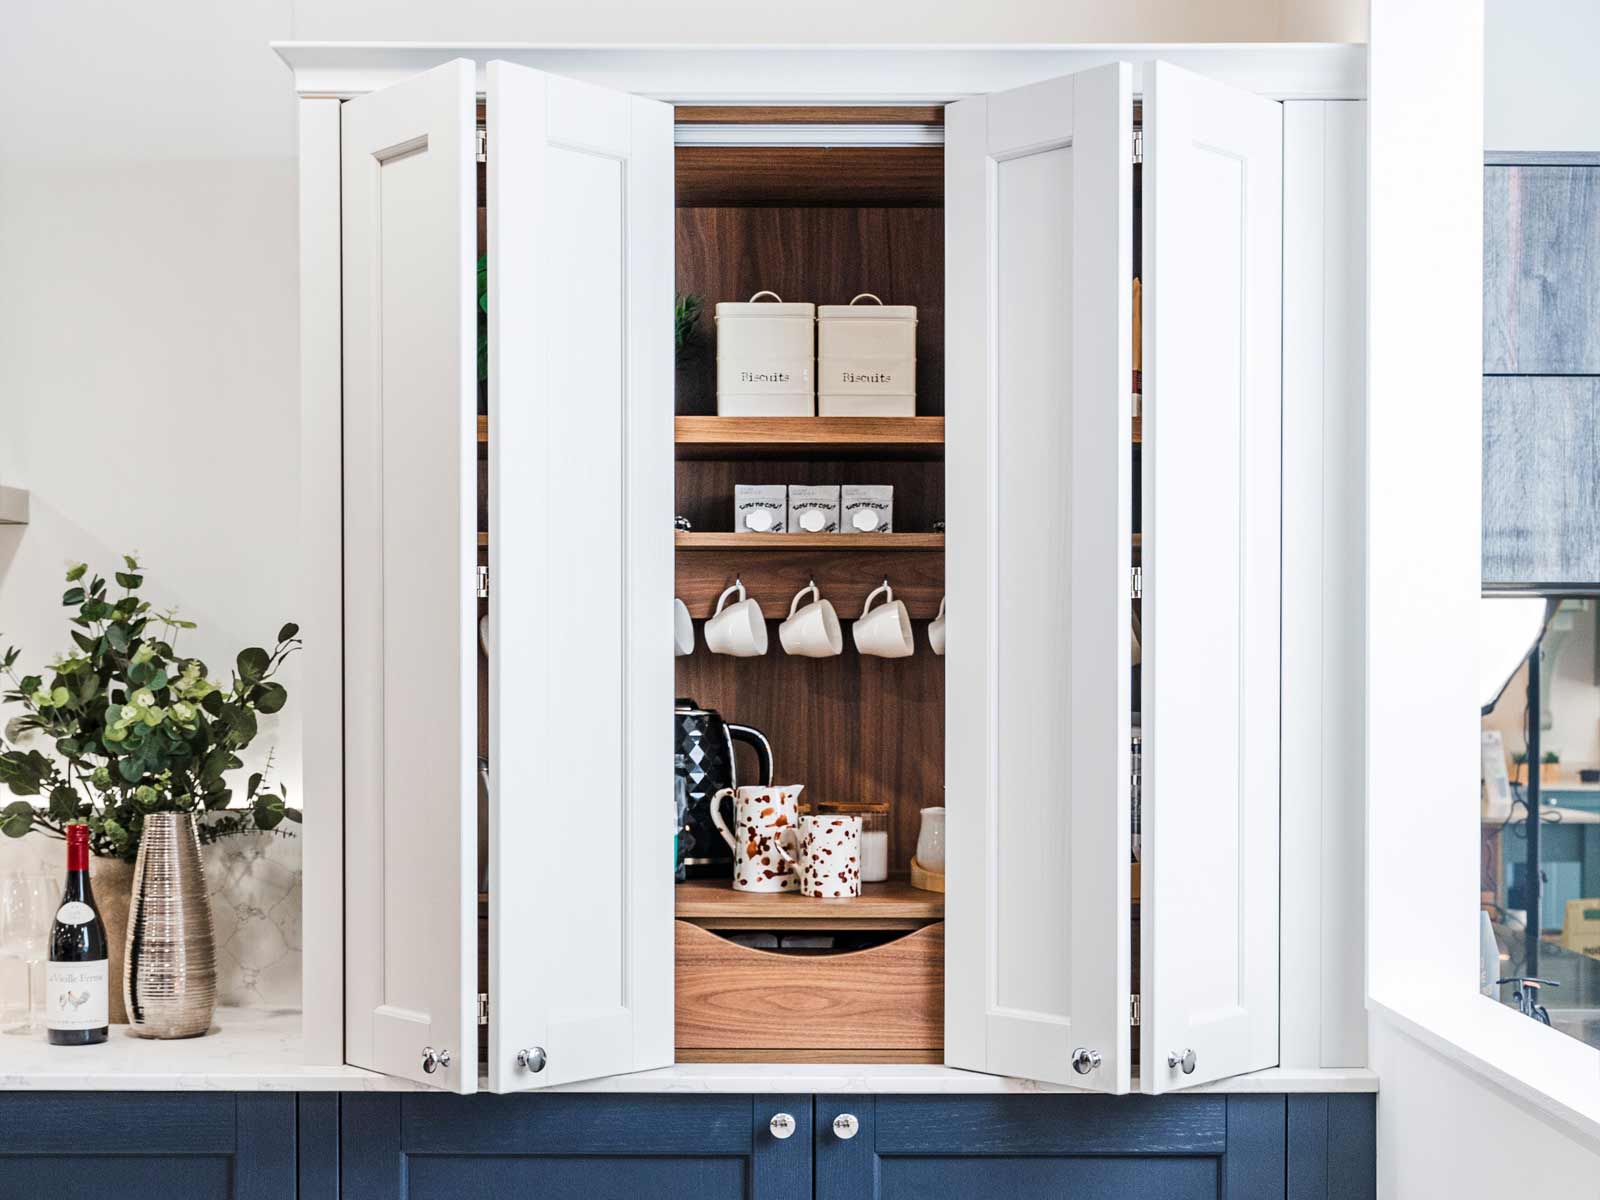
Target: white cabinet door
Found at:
x=1038, y=219
x=580, y=198
x=1213, y=178
x=410, y=666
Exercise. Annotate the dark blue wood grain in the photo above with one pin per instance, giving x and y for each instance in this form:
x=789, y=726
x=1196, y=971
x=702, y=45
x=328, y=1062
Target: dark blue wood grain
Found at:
x=847, y=1169
x=584, y=1146
x=781, y=1168
x=265, y=1154
x=1306, y=1144
x=117, y=1122
x=125, y=1177
x=1253, y=1167
x=1052, y=1124
x=147, y=1145
x=318, y=1143
x=1083, y=1178
x=576, y=1178
x=371, y=1164
x=1352, y=1147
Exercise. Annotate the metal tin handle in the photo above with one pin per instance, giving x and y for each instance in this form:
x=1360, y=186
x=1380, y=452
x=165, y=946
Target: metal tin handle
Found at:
x=433, y=1059
x=1181, y=1058
x=846, y=1126
x=1085, y=1060
x=781, y=1126
x=532, y=1059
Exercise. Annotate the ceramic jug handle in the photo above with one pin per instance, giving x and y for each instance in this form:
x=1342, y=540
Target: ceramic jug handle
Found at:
x=716, y=818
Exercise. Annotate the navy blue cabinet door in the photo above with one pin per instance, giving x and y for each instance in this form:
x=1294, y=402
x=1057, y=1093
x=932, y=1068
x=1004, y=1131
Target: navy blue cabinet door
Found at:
x=1006, y=1147
x=147, y=1145
x=573, y=1147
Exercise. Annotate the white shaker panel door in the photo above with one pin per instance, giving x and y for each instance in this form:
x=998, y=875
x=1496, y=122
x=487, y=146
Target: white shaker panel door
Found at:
x=1038, y=225
x=580, y=197
x=1213, y=227
x=410, y=499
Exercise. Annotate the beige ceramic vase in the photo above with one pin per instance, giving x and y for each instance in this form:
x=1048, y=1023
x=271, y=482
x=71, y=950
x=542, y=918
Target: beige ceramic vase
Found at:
x=112, y=882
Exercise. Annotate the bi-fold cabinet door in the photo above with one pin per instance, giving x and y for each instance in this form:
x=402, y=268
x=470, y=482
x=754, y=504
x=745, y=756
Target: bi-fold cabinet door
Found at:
x=1039, y=227
x=578, y=192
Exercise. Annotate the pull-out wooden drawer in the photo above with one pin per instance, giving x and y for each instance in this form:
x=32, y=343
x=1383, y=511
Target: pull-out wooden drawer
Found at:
x=882, y=1004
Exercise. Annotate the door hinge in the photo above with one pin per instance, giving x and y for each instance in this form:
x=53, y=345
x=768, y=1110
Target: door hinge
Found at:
x=483, y=145
x=1133, y=1007
x=483, y=583
x=483, y=1008
x=1138, y=146
x=1136, y=583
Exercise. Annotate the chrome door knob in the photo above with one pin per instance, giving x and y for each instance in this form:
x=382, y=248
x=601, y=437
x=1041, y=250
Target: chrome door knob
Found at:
x=433, y=1059
x=1181, y=1058
x=781, y=1126
x=1085, y=1060
x=532, y=1059
x=845, y=1126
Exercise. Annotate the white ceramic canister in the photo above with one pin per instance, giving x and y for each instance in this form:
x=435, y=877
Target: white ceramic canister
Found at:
x=867, y=359
x=764, y=358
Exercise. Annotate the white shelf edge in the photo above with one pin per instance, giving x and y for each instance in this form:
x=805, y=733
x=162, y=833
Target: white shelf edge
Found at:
x=13, y=506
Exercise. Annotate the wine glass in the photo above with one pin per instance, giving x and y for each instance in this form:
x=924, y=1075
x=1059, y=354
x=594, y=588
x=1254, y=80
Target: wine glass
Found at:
x=27, y=908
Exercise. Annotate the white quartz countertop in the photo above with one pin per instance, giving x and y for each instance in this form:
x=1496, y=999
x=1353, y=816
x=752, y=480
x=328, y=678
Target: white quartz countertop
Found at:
x=253, y=1049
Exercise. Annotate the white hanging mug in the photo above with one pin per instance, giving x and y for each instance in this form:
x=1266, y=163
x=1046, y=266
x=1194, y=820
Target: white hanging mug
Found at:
x=682, y=629
x=739, y=629
x=812, y=631
x=936, y=629
x=885, y=631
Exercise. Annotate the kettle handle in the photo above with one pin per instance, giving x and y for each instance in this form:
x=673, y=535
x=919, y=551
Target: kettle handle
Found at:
x=757, y=741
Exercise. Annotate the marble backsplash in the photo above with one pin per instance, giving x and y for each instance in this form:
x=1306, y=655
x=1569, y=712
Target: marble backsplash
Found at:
x=254, y=883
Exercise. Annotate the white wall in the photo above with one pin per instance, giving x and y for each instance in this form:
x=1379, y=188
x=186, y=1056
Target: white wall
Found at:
x=1541, y=86
x=147, y=318
x=831, y=21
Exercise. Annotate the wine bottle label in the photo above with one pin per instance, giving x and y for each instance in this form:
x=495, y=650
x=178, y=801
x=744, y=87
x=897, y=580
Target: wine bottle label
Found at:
x=75, y=994
x=75, y=912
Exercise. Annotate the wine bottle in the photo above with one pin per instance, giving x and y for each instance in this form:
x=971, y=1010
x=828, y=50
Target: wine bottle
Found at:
x=77, y=977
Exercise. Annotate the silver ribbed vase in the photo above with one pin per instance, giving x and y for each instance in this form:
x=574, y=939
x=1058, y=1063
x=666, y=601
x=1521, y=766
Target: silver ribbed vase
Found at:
x=169, y=977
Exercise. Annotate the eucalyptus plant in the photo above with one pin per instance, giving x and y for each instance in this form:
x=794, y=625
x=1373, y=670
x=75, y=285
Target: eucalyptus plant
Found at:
x=137, y=728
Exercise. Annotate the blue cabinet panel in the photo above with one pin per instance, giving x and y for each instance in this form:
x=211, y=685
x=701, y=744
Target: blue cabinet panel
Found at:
x=147, y=1145
x=1174, y=1147
x=426, y=1146
x=996, y=1178
x=1333, y=1148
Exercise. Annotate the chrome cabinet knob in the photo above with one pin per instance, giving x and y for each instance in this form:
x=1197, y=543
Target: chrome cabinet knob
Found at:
x=532, y=1059
x=1085, y=1060
x=433, y=1059
x=1181, y=1058
x=781, y=1126
x=845, y=1126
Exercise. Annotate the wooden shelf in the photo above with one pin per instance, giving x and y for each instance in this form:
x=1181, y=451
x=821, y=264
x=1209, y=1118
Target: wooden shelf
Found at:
x=831, y=542
x=713, y=904
x=909, y=438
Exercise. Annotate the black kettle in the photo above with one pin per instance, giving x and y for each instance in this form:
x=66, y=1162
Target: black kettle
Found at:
x=706, y=742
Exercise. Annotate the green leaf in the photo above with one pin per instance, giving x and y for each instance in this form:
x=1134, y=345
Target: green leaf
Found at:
x=63, y=804
x=254, y=787
x=157, y=680
x=133, y=563
x=271, y=698
x=16, y=819
x=130, y=768
x=130, y=581
x=84, y=642
x=72, y=596
x=252, y=664
x=76, y=572
x=288, y=631
x=117, y=635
